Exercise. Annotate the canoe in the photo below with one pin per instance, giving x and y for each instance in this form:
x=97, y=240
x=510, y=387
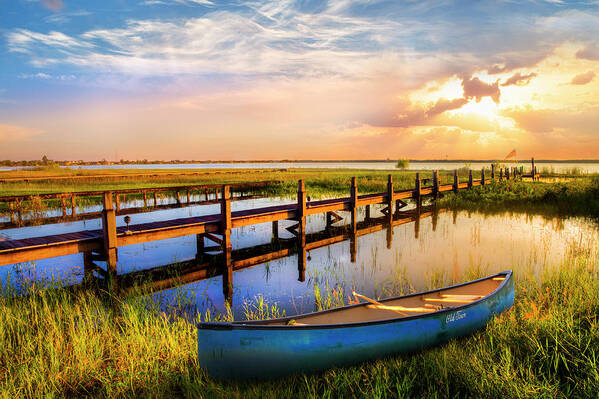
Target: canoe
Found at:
x=351, y=334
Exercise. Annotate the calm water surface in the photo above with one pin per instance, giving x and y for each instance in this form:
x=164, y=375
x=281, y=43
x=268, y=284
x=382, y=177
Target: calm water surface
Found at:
x=419, y=254
x=589, y=167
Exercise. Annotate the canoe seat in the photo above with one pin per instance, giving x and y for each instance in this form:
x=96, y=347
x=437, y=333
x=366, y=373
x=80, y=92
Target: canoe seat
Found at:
x=402, y=308
x=449, y=298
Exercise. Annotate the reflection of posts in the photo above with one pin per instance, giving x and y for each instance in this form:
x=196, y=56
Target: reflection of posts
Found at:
x=354, y=205
x=301, y=230
x=353, y=246
x=200, y=246
x=275, y=232
x=417, y=223
x=435, y=218
x=225, y=210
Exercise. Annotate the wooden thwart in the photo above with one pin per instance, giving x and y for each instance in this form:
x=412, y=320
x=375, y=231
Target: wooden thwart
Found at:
x=355, y=294
x=402, y=308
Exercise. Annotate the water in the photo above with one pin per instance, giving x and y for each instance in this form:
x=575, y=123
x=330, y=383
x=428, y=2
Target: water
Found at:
x=586, y=167
x=443, y=244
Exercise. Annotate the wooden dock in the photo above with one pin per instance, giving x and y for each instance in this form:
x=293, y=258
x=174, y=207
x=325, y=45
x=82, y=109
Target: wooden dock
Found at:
x=206, y=265
x=102, y=244
x=70, y=203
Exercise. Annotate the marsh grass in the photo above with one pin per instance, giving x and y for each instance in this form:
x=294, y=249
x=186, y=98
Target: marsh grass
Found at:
x=56, y=342
x=578, y=197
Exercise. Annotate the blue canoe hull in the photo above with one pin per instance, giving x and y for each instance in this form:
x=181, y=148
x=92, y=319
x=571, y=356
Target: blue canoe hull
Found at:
x=254, y=351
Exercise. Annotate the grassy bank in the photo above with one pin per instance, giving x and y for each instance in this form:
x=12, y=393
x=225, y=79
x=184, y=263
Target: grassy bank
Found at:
x=576, y=197
x=55, y=343
x=318, y=181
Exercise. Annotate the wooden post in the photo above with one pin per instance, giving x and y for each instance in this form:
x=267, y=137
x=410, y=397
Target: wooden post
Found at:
x=456, y=181
x=507, y=173
x=225, y=214
x=492, y=171
x=118, y=202
x=470, y=178
x=188, y=197
x=145, y=199
x=532, y=168
x=200, y=247
x=390, y=192
x=73, y=206
x=301, y=230
x=178, y=197
x=275, y=231
x=11, y=209
x=501, y=174
x=354, y=205
x=435, y=184
x=329, y=220
x=88, y=266
x=19, y=212
x=482, y=176
x=417, y=192
x=155, y=199
x=109, y=231
x=64, y=207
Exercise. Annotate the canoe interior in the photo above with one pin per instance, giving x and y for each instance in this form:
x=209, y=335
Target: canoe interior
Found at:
x=418, y=304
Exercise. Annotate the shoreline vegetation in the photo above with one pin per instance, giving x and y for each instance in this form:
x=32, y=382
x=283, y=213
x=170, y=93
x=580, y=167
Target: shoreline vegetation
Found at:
x=74, y=163
x=56, y=342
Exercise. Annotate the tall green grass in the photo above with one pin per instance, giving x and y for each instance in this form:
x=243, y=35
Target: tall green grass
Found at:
x=578, y=197
x=56, y=343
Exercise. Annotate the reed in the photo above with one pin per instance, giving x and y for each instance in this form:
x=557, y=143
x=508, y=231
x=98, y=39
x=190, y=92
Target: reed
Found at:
x=55, y=342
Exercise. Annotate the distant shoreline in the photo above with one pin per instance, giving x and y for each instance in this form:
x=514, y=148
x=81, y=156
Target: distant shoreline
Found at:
x=208, y=162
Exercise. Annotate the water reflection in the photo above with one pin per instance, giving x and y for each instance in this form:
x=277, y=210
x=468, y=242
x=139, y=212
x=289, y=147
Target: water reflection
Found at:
x=421, y=248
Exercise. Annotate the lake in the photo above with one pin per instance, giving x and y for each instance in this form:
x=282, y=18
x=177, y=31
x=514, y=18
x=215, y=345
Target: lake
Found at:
x=584, y=167
x=441, y=246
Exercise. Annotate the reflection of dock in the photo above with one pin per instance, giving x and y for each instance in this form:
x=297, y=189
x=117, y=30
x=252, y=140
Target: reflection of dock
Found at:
x=205, y=266
x=102, y=245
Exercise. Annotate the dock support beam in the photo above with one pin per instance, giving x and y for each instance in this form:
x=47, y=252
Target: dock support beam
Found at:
x=492, y=171
x=455, y=181
x=482, y=176
x=275, y=231
x=200, y=246
x=225, y=211
x=435, y=184
x=354, y=204
x=301, y=230
x=390, y=193
x=109, y=230
x=417, y=191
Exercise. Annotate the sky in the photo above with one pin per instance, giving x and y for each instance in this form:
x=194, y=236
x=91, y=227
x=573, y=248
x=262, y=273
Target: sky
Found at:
x=304, y=79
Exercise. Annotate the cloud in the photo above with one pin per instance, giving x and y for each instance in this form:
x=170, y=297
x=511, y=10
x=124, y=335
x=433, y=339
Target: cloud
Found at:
x=53, y=5
x=550, y=120
x=588, y=53
x=583, y=78
x=476, y=88
x=519, y=79
x=42, y=75
x=443, y=105
x=14, y=133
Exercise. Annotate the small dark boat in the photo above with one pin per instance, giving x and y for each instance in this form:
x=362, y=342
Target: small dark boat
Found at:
x=351, y=334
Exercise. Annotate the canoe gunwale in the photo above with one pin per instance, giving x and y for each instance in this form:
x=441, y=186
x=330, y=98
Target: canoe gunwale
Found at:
x=259, y=324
